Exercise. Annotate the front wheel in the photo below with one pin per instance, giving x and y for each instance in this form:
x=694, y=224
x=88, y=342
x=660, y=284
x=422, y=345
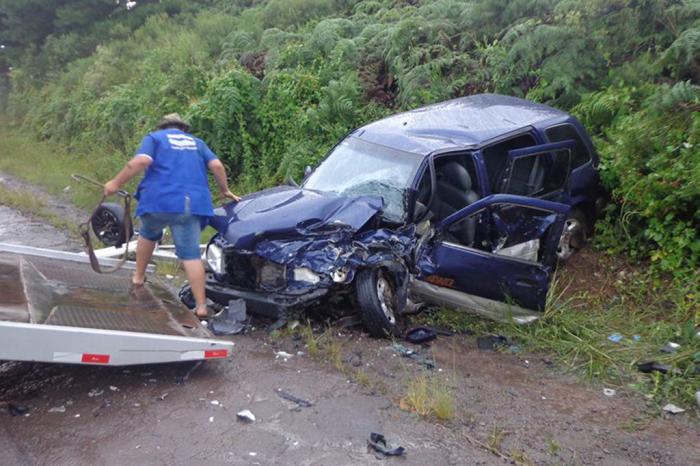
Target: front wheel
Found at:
x=376, y=298
x=573, y=237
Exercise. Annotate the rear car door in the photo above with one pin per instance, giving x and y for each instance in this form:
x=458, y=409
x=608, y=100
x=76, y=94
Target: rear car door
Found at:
x=505, y=272
x=540, y=171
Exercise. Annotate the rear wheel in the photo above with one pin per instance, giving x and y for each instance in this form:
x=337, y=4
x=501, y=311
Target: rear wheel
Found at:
x=573, y=237
x=376, y=298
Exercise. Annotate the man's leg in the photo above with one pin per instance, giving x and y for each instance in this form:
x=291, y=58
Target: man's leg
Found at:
x=186, y=230
x=195, y=275
x=144, y=251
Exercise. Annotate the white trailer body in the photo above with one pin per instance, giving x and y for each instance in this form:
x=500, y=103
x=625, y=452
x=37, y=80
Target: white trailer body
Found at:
x=54, y=308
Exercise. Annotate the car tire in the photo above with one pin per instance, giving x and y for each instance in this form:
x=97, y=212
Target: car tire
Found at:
x=186, y=297
x=377, y=302
x=573, y=237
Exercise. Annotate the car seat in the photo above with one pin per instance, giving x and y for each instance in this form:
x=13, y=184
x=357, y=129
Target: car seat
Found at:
x=454, y=192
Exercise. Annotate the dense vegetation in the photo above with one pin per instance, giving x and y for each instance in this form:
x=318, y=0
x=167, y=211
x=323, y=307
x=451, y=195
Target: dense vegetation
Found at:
x=272, y=84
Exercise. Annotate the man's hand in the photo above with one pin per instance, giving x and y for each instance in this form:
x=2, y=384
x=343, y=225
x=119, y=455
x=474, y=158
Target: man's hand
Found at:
x=229, y=195
x=111, y=187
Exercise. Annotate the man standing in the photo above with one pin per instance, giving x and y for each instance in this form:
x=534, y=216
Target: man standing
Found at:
x=174, y=192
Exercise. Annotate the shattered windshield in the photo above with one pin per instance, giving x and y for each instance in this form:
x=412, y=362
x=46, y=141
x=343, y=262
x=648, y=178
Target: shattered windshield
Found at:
x=357, y=167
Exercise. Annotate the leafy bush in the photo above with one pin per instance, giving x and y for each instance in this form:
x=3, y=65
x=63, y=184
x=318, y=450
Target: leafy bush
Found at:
x=272, y=84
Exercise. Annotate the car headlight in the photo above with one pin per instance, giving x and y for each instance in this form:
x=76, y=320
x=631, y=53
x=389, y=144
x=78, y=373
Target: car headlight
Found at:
x=215, y=258
x=302, y=274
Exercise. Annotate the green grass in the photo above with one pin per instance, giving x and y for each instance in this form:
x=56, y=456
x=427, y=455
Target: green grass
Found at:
x=35, y=206
x=50, y=166
x=429, y=396
x=574, y=330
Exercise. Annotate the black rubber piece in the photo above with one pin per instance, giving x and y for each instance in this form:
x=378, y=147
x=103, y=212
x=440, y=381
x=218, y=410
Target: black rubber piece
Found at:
x=376, y=323
x=418, y=335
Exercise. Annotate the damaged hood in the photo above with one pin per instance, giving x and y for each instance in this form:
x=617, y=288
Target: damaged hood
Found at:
x=291, y=212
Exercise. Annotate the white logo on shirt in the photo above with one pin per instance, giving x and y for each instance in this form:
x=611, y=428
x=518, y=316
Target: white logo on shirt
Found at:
x=181, y=142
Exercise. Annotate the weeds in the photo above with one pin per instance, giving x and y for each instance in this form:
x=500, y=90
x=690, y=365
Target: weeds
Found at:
x=429, y=396
x=35, y=206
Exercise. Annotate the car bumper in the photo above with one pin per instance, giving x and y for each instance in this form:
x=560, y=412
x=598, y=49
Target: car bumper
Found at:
x=270, y=305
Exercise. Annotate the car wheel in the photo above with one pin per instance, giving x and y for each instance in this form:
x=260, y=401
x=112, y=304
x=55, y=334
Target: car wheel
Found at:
x=574, y=235
x=377, y=302
x=186, y=297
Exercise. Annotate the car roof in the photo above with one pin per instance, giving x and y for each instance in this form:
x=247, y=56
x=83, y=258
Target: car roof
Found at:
x=466, y=122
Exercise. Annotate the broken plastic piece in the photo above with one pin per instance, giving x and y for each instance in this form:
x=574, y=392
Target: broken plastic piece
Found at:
x=246, y=415
x=378, y=443
x=651, y=366
x=17, y=410
x=409, y=353
x=491, y=342
x=615, y=337
x=231, y=320
x=673, y=409
x=609, y=392
x=294, y=399
x=670, y=347
x=418, y=335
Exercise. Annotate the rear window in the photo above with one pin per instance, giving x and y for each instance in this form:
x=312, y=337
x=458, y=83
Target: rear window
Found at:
x=579, y=153
x=539, y=174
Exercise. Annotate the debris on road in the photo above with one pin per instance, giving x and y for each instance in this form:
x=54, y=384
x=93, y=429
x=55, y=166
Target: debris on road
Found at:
x=615, y=337
x=215, y=402
x=670, y=347
x=418, y=335
x=409, y=353
x=58, y=409
x=609, y=392
x=379, y=444
x=17, y=410
x=113, y=388
x=245, y=415
x=652, y=366
x=283, y=355
x=491, y=342
x=95, y=392
x=673, y=409
x=230, y=321
x=294, y=399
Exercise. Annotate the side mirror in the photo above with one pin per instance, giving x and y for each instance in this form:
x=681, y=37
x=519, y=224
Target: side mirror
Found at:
x=307, y=171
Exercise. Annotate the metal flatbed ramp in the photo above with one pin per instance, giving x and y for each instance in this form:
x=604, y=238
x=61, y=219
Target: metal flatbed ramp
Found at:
x=55, y=309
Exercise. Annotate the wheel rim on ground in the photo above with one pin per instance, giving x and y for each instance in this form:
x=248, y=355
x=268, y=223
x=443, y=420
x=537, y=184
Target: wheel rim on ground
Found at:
x=385, y=295
x=570, y=238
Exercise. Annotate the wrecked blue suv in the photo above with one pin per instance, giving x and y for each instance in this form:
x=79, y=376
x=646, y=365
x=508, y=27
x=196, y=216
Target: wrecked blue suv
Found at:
x=467, y=204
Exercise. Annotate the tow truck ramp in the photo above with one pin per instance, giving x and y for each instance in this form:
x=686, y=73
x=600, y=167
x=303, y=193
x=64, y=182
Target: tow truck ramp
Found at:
x=54, y=308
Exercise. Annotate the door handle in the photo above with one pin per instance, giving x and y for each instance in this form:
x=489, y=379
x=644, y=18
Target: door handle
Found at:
x=525, y=283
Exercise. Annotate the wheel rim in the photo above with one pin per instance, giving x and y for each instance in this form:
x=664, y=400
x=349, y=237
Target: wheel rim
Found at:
x=385, y=296
x=570, y=238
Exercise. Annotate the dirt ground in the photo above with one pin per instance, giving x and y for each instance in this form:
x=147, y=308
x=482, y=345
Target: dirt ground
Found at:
x=508, y=408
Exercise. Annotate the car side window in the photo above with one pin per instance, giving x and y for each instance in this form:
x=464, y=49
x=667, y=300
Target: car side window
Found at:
x=579, y=154
x=496, y=157
x=539, y=174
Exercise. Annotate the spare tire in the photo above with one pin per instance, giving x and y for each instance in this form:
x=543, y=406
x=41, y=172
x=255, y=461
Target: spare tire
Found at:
x=108, y=225
x=376, y=298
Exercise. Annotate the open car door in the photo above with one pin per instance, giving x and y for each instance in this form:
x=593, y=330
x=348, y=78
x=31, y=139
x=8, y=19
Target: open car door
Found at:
x=505, y=273
x=539, y=171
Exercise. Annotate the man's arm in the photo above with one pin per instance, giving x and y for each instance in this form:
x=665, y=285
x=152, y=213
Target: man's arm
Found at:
x=219, y=171
x=133, y=167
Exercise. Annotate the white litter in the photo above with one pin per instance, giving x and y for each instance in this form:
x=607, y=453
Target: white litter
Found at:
x=673, y=409
x=252, y=453
x=283, y=354
x=609, y=392
x=211, y=419
x=113, y=388
x=246, y=415
x=215, y=402
x=95, y=392
x=58, y=409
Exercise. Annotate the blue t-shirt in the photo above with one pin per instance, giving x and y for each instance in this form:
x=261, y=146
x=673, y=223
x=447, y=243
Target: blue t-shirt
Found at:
x=176, y=181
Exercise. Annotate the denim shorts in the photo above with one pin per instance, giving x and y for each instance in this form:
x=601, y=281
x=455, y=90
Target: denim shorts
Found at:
x=185, y=229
